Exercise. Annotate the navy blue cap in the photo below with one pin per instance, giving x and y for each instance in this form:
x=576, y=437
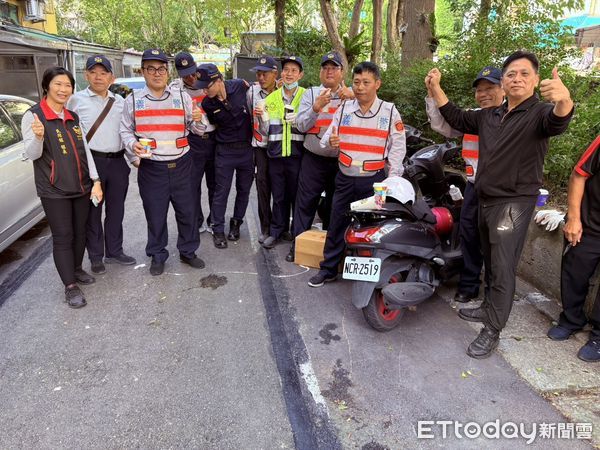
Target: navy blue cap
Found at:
x=292, y=58
x=490, y=73
x=185, y=64
x=265, y=63
x=98, y=59
x=207, y=73
x=154, y=54
x=332, y=57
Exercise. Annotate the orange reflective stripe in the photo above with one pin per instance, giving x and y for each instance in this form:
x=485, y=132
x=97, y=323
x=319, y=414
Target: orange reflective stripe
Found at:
x=158, y=112
x=373, y=165
x=470, y=138
x=377, y=149
x=473, y=154
x=357, y=131
x=313, y=130
x=257, y=136
x=199, y=98
x=161, y=127
x=470, y=171
x=323, y=123
x=181, y=142
x=345, y=159
x=332, y=109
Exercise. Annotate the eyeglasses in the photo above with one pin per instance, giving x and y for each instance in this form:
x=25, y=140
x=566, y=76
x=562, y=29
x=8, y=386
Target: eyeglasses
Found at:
x=329, y=68
x=152, y=70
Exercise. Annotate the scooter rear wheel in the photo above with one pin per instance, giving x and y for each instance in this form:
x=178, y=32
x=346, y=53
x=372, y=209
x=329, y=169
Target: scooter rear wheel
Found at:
x=378, y=315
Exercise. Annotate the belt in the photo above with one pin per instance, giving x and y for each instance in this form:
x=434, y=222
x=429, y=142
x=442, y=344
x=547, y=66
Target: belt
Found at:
x=235, y=144
x=118, y=154
x=209, y=135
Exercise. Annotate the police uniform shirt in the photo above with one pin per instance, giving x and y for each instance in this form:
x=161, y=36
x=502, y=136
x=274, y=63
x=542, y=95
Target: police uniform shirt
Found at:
x=589, y=167
x=231, y=116
x=127, y=126
x=396, y=143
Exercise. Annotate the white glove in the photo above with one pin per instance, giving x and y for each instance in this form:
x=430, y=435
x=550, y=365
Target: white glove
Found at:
x=290, y=118
x=549, y=217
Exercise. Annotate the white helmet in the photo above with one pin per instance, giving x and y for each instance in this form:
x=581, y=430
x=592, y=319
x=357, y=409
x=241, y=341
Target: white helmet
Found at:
x=400, y=189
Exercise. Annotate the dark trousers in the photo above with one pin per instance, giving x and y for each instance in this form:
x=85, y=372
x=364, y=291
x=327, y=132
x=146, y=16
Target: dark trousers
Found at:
x=203, y=155
x=347, y=190
x=230, y=159
x=470, y=244
x=162, y=183
x=67, y=218
x=503, y=228
x=317, y=174
x=578, y=265
x=283, y=173
x=263, y=189
x=108, y=240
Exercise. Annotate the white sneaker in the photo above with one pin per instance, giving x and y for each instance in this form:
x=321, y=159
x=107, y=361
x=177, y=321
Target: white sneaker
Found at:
x=203, y=229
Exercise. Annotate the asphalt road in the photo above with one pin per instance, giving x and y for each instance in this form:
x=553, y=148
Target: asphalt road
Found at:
x=241, y=354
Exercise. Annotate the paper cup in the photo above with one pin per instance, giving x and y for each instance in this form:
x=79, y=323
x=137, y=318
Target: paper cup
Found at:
x=542, y=197
x=289, y=109
x=380, y=192
x=262, y=104
x=146, y=143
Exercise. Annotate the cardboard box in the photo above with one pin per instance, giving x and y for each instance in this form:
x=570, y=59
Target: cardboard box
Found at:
x=309, y=248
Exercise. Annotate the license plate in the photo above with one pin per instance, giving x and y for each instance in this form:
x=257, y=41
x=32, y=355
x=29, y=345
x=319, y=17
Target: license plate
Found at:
x=362, y=269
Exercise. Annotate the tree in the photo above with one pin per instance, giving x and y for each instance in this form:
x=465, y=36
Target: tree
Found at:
x=377, y=37
x=418, y=40
x=280, y=23
x=333, y=29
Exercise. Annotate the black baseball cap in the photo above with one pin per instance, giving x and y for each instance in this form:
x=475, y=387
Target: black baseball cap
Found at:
x=490, y=73
x=292, y=58
x=265, y=63
x=332, y=57
x=185, y=64
x=98, y=59
x=154, y=54
x=207, y=73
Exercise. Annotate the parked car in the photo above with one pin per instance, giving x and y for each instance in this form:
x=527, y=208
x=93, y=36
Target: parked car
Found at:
x=124, y=86
x=21, y=208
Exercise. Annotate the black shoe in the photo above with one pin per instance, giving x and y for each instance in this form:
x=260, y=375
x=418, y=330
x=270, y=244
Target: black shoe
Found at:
x=463, y=298
x=558, y=333
x=194, y=261
x=484, y=344
x=120, y=259
x=320, y=279
x=156, y=268
x=269, y=242
x=472, y=314
x=219, y=240
x=590, y=352
x=291, y=254
x=98, y=267
x=74, y=297
x=82, y=277
x=287, y=236
x=234, y=229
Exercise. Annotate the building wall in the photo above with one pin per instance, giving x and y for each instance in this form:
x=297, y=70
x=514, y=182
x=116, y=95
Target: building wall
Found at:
x=49, y=25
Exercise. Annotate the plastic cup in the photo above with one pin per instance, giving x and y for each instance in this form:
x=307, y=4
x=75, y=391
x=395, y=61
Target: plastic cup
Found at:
x=542, y=197
x=263, y=105
x=380, y=193
x=289, y=109
x=146, y=143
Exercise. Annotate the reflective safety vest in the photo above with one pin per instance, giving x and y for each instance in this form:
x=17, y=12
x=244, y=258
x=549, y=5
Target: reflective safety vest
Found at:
x=258, y=139
x=284, y=139
x=363, y=141
x=197, y=97
x=162, y=121
x=312, y=141
x=470, y=153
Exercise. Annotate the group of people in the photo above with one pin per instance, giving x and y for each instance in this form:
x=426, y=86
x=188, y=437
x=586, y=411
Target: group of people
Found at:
x=298, y=143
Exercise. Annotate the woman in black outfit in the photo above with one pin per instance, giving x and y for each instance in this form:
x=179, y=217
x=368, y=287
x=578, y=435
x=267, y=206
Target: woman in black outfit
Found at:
x=65, y=177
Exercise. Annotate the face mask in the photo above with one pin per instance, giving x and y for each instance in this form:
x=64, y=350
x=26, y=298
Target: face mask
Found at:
x=292, y=86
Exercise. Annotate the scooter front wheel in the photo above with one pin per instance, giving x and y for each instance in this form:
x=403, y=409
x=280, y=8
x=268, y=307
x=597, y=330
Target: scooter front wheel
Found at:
x=378, y=315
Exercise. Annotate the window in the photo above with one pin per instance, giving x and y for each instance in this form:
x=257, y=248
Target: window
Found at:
x=16, y=109
x=9, y=12
x=8, y=135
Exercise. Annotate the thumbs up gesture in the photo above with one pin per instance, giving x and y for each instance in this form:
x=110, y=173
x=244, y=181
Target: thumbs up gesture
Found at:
x=334, y=138
x=196, y=113
x=553, y=89
x=37, y=127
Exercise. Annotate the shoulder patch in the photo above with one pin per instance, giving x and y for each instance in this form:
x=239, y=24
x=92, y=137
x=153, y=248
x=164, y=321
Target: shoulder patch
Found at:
x=346, y=120
x=399, y=126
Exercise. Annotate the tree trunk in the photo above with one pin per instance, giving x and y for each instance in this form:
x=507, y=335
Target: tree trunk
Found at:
x=484, y=9
x=418, y=36
x=355, y=21
x=332, y=29
x=400, y=21
x=392, y=27
x=280, y=23
x=377, y=31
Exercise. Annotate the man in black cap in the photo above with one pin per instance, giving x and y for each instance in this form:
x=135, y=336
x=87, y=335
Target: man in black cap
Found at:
x=319, y=165
x=284, y=146
x=226, y=107
x=267, y=70
x=202, y=146
x=156, y=122
x=99, y=112
x=488, y=93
